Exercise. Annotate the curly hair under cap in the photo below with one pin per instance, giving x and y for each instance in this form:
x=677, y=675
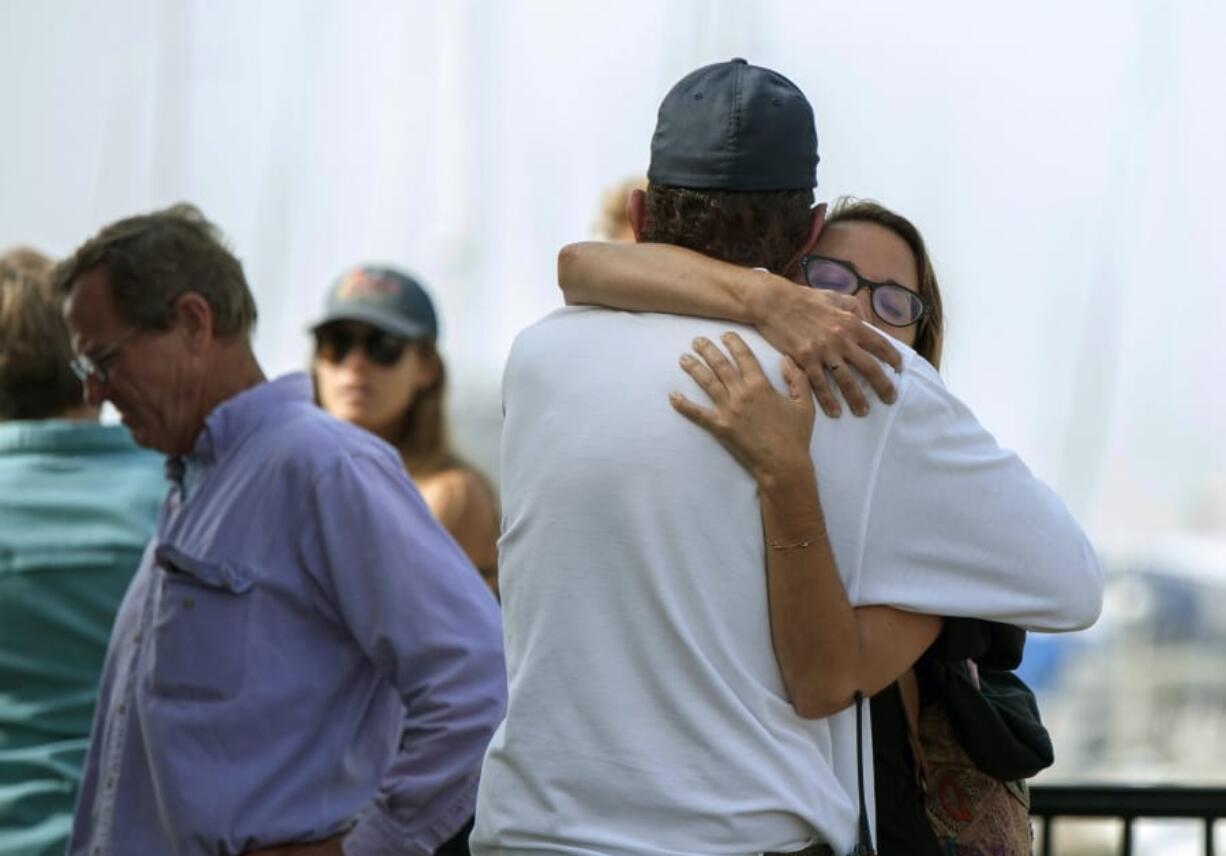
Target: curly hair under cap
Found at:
x=752, y=229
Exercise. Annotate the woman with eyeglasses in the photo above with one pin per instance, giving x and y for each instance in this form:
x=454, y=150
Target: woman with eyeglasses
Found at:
x=877, y=259
x=376, y=365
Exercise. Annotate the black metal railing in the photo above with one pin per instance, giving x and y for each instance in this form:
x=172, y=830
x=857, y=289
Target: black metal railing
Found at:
x=1127, y=803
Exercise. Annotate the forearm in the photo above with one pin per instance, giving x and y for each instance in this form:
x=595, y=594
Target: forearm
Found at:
x=813, y=625
x=381, y=557
x=662, y=278
x=827, y=650
x=429, y=789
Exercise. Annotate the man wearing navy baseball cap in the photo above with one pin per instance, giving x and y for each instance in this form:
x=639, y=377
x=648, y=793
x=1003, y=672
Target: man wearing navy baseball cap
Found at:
x=647, y=711
x=647, y=714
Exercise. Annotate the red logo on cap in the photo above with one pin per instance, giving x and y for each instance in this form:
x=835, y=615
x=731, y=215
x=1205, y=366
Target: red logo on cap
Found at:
x=359, y=283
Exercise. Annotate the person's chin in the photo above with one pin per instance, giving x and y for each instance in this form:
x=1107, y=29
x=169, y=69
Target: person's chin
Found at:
x=359, y=416
x=349, y=412
x=141, y=435
x=379, y=427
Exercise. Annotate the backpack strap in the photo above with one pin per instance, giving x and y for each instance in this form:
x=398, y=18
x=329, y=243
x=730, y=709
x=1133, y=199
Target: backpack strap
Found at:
x=908, y=691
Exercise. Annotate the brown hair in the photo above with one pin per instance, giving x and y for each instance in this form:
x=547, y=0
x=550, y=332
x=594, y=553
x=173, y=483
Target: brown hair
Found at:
x=752, y=229
x=930, y=334
x=424, y=440
x=35, y=349
x=152, y=259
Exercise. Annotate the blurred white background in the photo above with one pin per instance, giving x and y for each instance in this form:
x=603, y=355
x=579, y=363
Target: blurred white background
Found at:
x=1066, y=161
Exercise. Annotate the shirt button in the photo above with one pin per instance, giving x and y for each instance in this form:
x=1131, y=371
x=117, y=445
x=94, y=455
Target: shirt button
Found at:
x=110, y=783
x=136, y=638
x=188, y=602
x=123, y=708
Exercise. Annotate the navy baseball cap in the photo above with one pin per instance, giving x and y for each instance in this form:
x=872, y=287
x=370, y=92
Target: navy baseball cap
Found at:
x=383, y=297
x=734, y=126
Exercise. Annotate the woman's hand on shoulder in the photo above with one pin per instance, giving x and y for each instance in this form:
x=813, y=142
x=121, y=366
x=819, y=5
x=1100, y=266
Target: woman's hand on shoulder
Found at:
x=824, y=333
x=767, y=432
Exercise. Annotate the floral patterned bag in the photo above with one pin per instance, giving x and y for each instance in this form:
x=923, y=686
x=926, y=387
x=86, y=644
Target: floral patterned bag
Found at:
x=971, y=812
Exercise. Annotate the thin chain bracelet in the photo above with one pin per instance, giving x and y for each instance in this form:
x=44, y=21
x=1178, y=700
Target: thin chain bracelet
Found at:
x=775, y=545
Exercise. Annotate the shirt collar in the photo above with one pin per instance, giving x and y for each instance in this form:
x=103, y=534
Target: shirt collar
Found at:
x=63, y=436
x=235, y=418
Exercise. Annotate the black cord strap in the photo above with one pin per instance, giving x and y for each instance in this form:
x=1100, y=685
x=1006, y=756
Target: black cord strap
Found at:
x=865, y=845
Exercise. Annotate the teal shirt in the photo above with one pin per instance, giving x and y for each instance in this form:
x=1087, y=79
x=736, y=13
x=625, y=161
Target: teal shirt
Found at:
x=78, y=503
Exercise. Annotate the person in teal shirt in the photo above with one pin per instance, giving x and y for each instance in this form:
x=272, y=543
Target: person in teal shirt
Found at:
x=78, y=502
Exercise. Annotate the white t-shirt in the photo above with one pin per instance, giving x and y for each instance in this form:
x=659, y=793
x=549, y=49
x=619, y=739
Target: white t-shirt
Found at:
x=647, y=713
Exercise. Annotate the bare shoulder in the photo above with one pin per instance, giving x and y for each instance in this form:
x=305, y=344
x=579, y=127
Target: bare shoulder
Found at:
x=465, y=503
x=456, y=492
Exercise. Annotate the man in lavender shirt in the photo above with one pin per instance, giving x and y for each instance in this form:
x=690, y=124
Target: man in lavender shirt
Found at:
x=305, y=662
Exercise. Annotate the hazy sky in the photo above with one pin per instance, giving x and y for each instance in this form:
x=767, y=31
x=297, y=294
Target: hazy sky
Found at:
x=1065, y=162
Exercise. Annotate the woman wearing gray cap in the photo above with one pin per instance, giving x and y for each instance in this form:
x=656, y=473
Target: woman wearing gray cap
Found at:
x=376, y=365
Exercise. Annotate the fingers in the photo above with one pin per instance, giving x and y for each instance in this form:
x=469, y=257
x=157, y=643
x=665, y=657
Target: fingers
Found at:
x=797, y=381
x=705, y=378
x=820, y=385
x=724, y=370
x=747, y=364
x=872, y=372
x=700, y=416
x=879, y=347
x=860, y=353
x=849, y=386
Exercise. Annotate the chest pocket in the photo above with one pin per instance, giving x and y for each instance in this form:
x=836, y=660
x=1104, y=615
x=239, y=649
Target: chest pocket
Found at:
x=201, y=626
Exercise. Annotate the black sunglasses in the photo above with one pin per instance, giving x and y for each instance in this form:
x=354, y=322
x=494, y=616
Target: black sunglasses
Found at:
x=894, y=304
x=333, y=344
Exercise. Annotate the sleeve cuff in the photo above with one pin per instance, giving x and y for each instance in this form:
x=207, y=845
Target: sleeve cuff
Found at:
x=378, y=833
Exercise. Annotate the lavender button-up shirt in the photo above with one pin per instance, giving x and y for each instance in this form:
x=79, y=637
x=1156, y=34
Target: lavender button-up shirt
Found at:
x=303, y=651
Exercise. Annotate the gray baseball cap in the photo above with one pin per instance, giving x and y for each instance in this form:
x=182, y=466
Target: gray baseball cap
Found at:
x=734, y=126
x=384, y=298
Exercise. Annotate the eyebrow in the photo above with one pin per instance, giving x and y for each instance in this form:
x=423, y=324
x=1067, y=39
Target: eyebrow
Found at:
x=106, y=352
x=852, y=265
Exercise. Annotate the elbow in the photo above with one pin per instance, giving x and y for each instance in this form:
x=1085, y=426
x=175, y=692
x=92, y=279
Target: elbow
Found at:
x=1080, y=594
x=819, y=702
x=570, y=259
x=1088, y=602
x=815, y=709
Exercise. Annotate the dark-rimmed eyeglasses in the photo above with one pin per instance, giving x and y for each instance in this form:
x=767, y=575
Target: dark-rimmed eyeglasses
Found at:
x=88, y=368
x=333, y=344
x=894, y=304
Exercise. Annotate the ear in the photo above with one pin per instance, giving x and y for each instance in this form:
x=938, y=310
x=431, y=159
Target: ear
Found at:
x=429, y=370
x=636, y=213
x=193, y=313
x=816, y=222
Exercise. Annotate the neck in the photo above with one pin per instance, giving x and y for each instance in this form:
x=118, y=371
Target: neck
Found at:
x=80, y=413
x=237, y=371
x=234, y=370
x=389, y=433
